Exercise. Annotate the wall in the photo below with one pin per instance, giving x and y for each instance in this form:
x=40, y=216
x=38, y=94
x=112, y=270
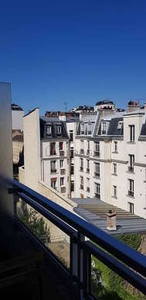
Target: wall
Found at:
x=17, y=119
x=6, y=166
x=32, y=148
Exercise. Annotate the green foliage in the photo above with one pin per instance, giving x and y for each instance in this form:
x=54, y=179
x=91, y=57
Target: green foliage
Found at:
x=35, y=223
x=113, y=286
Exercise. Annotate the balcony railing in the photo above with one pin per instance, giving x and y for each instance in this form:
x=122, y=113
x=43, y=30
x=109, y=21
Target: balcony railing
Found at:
x=53, y=170
x=131, y=193
x=97, y=153
x=97, y=195
x=61, y=153
x=81, y=169
x=131, y=169
x=52, y=152
x=81, y=151
x=63, y=189
x=120, y=258
x=97, y=174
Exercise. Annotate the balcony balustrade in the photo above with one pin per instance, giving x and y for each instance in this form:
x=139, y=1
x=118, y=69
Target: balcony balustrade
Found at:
x=120, y=258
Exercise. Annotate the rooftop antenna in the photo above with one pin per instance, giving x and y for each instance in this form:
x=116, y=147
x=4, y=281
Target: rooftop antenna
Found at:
x=65, y=105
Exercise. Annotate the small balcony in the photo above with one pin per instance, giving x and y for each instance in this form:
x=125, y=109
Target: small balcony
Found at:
x=63, y=189
x=53, y=152
x=97, y=175
x=53, y=171
x=61, y=152
x=97, y=195
x=96, y=153
x=131, y=193
x=131, y=169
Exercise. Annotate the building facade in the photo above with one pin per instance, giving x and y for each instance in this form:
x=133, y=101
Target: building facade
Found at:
x=46, y=152
x=110, y=159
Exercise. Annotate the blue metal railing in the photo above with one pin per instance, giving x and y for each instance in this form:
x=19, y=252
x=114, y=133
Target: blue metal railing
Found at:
x=125, y=261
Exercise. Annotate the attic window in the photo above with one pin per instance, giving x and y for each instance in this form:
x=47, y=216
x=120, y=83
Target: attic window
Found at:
x=59, y=130
x=120, y=123
x=104, y=128
x=82, y=128
x=48, y=130
x=89, y=128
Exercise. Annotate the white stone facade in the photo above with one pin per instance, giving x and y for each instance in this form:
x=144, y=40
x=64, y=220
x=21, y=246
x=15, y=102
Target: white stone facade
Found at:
x=112, y=166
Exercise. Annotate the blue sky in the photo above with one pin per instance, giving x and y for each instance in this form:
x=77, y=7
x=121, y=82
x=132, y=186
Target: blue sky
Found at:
x=77, y=52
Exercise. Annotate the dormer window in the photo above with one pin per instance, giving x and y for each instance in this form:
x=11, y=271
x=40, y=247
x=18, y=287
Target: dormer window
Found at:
x=89, y=128
x=103, y=128
x=82, y=128
x=120, y=124
x=48, y=130
x=59, y=130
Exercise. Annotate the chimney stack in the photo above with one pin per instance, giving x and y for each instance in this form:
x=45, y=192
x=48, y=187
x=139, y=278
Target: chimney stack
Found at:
x=111, y=220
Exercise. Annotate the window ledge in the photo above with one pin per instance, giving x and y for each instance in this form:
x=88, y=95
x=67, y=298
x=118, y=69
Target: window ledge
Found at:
x=130, y=172
x=95, y=177
x=115, y=197
x=130, y=196
x=115, y=152
x=114, y=174
x=131, y=142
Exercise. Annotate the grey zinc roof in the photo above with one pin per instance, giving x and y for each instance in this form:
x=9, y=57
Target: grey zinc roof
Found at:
x=44, y=121
x=113, y=127
x=143, y=129
x=94, y=211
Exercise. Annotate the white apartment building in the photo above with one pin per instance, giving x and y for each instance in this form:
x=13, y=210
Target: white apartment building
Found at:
x=46, y=152
x=17, y=117
x=110, y=159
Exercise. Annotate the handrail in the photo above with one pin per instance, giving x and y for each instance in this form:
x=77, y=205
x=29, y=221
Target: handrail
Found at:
x=124, y=253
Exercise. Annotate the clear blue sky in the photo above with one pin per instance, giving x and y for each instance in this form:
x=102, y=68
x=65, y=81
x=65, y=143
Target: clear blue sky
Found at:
x=73, y=51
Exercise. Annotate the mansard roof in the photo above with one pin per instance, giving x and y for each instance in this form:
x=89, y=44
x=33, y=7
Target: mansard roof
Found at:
x=53, y=123
x=113, y=127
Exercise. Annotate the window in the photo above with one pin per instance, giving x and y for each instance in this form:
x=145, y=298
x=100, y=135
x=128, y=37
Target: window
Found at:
x=131, y=187
x=88, y=166
x=120, y=125
x=82, y=147
x=131, y=208
x=48, y=130
x=97, y=169
x=61, y=181
x=72, y=169
x=72, y=186
x=132, y=133
x=88, y=147
x=115, y=146
x=115, y=169
x=97, y=190
x=131, y=163
x=60, y=145
x=53, y=166
x=82, y=128
x=81, y=164
x=71, y=135
x=52, y=149
x=89, y=128
x=97, y=149
x=88, y=185
x=59, y=129
x=103, y=126
x=61, y=163
x=71, y=152
x=53, y=183
x=115, y=191
x=81, y=182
